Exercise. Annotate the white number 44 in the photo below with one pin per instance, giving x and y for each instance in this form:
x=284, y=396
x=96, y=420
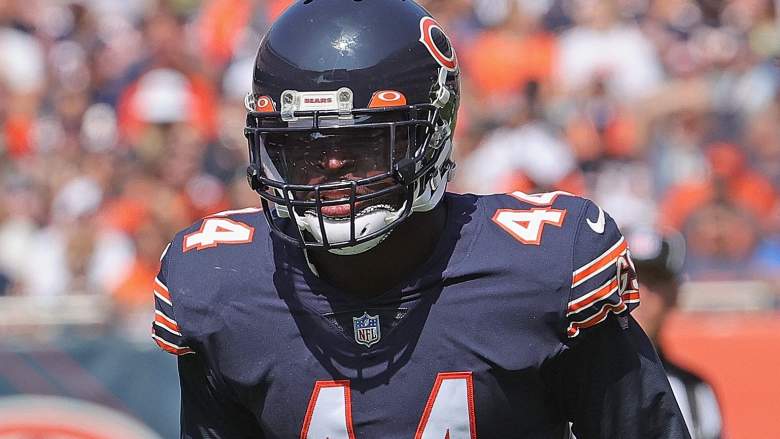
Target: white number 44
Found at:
x=215, y=231
x=527, y=226
x=448, y=414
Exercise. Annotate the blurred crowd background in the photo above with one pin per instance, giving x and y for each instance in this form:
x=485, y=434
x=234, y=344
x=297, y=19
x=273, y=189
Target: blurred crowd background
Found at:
x=121, y=123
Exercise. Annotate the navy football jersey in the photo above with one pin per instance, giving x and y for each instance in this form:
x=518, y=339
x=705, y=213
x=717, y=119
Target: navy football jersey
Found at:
x=518, y=326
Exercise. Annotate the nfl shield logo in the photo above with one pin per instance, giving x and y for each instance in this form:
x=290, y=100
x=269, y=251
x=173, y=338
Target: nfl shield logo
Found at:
x=366, y=329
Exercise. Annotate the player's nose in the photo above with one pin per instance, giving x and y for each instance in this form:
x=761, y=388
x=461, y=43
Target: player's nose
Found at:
x=337, y=164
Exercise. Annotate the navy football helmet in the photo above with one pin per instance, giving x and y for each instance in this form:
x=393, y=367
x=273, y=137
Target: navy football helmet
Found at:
x=350, y=120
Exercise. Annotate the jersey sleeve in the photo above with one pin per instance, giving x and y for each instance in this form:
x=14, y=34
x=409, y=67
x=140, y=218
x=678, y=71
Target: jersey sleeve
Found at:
x=209, y=407
x=603, y=282
x=611, y=384
x=166, y=331
x=608, y=380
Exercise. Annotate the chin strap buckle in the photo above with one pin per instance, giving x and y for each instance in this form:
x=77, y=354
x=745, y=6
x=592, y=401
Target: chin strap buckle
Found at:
x=405, y=170
x=253, y=177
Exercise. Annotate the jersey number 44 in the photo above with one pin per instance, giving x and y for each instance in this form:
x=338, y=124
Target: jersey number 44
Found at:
x=448, y=414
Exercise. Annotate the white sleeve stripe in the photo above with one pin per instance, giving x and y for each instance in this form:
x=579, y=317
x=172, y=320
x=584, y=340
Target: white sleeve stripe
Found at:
x=574, y=327
x=596, y=260
x=593, y=306
x=162, y=298
x=594, y=291
x=165, y=252
x=169, y=344
x=591, y=294
x=159, y=325
x=610, y=263
x=173, y=322
x=595, y=273
x=616, y=308
x=162, y=285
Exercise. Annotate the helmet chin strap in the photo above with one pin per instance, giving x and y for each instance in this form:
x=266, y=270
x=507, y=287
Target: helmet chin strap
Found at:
x=360, y=248
x=434, y=189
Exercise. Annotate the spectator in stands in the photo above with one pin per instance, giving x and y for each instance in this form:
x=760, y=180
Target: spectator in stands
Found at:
x=602, y=45
x=526, y=153
x=507, y=55
x=658, y=260
x=722, y=241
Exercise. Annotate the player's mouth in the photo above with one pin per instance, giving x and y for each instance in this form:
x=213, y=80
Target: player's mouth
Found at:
x=339, y=207
x=340, y=210
x=344, y=210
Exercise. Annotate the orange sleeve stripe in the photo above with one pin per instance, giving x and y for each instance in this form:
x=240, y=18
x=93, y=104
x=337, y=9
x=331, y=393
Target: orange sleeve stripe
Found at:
x=162, y=290
x=575, y=327
x=603, y=291
x=172, y=348
x=599, y=263
x=163, y=295
x=631, y=296
x=170, y=324
x=162, y=286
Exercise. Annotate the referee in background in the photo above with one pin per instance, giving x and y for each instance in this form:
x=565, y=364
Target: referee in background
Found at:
x=659, y=259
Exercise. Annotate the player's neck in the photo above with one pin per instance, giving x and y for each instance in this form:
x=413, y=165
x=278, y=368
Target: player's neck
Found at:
x=366, y=274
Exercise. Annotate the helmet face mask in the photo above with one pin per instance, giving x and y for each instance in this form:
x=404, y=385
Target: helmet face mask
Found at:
x=346, y=176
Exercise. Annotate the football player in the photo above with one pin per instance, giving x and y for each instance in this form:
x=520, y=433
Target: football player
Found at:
x=363, y=301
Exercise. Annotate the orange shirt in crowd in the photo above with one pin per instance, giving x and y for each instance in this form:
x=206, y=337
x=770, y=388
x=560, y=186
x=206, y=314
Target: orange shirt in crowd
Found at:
x=221, y=27
x=749, y=190
x=500, y=62
x=133, y=291
x=739, y=185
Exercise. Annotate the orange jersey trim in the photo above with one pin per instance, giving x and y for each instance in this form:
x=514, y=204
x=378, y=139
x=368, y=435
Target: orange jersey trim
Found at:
x=172, y=348
x=594, y=296
x=600, y=262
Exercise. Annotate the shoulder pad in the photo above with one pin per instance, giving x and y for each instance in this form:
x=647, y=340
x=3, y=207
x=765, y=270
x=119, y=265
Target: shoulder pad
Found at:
x=531, y=218
x=224, y=228
x=569, y=244
x=187, y=272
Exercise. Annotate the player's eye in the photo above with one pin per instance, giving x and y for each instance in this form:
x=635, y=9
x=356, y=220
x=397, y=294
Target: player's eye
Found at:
x=315, y=159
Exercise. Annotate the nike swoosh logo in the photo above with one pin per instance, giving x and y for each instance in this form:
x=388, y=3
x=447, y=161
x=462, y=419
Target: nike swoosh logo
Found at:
x=598, y=226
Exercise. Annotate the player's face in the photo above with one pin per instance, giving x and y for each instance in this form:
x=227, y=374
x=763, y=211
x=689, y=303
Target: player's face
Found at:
x=317, y=158
x=331, y=156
